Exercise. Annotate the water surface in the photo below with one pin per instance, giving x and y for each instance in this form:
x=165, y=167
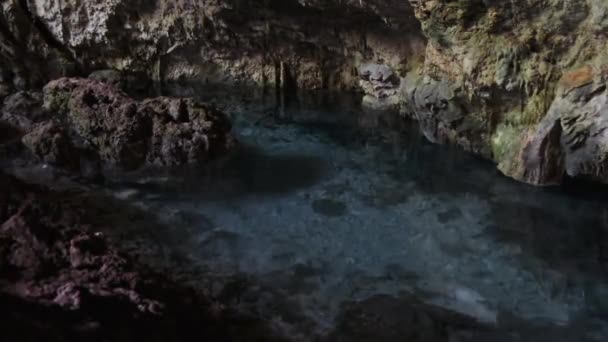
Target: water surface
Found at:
x=325, y=206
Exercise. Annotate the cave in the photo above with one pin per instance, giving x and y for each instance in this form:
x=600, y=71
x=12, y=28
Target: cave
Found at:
x=304, y=170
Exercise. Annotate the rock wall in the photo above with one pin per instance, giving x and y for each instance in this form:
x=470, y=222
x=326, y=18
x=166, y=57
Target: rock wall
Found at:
x=521, y=82
x=492, y=84
x=293, y=43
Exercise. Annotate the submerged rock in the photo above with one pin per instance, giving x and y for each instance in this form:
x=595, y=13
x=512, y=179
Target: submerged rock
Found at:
x=386, y=318
x=329, y=207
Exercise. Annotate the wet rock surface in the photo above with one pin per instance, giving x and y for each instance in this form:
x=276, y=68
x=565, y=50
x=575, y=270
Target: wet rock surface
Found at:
x=492, y=76
x=51, y=143
x=61, y=279
x=22, y=109
x=129, y=133
x=109, y=76
x=570, y=140
x=381, y=87
x=76, y=121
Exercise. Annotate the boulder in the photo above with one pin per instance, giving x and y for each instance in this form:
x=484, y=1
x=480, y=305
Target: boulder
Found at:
x=128, y=133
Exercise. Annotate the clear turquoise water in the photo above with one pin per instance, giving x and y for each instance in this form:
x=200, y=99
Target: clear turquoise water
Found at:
x=326, y=204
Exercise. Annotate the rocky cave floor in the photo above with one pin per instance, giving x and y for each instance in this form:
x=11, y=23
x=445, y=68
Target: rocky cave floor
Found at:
x=323, y=223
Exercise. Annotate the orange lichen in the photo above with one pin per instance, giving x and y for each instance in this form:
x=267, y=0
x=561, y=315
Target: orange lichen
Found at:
x=577, y=78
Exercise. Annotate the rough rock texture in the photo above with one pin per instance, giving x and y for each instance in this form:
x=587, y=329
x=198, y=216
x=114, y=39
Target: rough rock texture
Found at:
x=128, y=133
x=80, y=124
x=477, y=73
x=51, y=143
x=310, y=44
x=61, y=279
x=381, y=87
x=22, y=109
x=491, y=78
x=19, y=113
x=571, y=139
x=110, y=76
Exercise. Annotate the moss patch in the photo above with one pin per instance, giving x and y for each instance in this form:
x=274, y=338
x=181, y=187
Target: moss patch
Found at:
x=506, y=144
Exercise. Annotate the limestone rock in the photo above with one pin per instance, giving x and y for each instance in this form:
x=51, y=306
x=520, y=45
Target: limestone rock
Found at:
x=19, y=112
x=63, y=279
x=509, y=62
x=22, y=109
x=128, y=133
x=380, y=85
x=110, y=76
x=571, y=138
x=479, y=74
x=51, y=143
x=217, y=41
x=584, y=120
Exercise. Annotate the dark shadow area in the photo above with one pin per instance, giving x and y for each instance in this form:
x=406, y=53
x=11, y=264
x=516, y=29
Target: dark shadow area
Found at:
x=405, y=318
x=8, y=133
x=80, y=266
x=246, y=172
x=572, y=242
x=105, y=319
x=10, y=144
x=583, y=189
